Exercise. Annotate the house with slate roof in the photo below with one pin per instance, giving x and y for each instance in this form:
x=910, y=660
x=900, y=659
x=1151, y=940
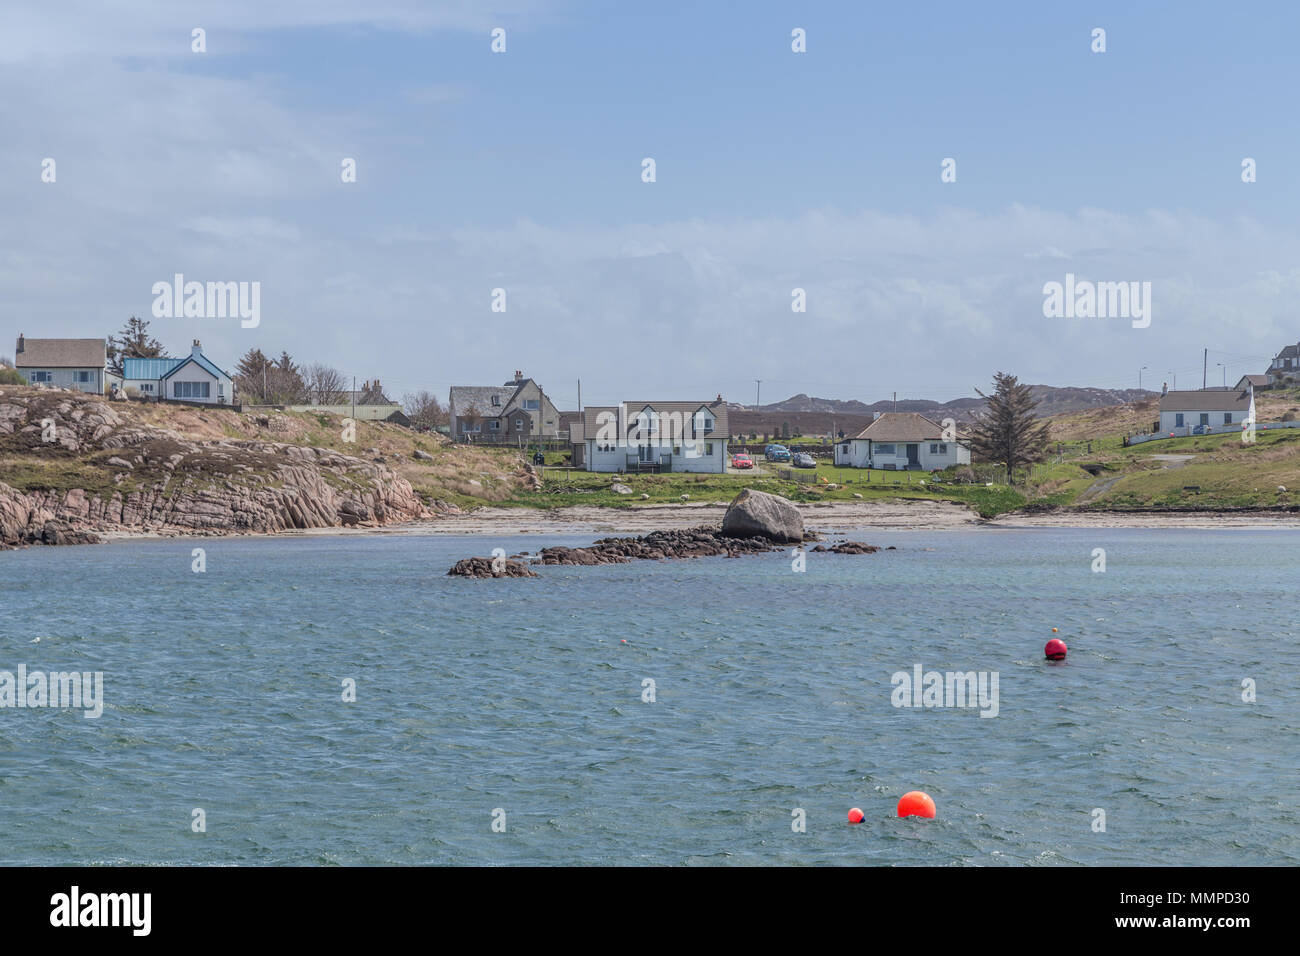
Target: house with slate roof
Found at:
x=79, y=364
x=519, y=409
x=1285, y=365
x=652, y=436
x=903, y=441
x=194, y=378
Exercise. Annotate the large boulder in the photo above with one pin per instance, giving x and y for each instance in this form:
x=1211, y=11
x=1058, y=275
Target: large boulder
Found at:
x=755, y=514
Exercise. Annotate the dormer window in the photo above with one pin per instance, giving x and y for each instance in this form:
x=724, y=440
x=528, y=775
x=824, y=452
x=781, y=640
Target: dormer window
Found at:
x=496, y=400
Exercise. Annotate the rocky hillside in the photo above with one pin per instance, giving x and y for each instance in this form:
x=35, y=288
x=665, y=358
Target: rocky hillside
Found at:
x=73, y=464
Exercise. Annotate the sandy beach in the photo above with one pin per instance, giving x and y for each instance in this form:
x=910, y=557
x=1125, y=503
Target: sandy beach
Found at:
x=826, y=518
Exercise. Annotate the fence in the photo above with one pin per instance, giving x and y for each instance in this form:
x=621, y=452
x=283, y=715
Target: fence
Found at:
x=1188, y=431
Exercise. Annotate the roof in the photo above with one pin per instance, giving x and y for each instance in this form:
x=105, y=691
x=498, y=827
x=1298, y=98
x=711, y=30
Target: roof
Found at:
x=462, y=397
x=902, y=426
x=1206, y=400
x=62, y=353
x=198, y=359
x=148, y=368
x=1259, y=381
x=684, y=411
x=1291, y=351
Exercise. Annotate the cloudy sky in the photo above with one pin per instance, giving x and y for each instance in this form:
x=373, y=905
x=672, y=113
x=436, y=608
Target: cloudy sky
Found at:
x=775, y=170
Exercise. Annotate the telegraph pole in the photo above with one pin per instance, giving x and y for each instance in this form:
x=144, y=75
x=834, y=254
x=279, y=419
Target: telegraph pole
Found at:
x=758, y=390
x=1205, y=359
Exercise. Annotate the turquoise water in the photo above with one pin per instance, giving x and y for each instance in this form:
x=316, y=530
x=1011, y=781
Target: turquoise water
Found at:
x=773, y=692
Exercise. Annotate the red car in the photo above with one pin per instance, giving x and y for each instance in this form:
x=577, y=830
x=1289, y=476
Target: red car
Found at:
x=741, y=461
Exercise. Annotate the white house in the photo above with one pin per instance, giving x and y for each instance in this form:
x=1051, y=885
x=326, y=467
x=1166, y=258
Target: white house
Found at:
x=191, y=379
x=78, y=364
x=1182, y=413
x=653, y=436
x=899, y=441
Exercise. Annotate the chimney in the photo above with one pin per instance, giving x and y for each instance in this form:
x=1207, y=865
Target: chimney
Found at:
x=196, y=349
x=19, y=351
x=1164, y=388
x=519, y=376
x=718, y=400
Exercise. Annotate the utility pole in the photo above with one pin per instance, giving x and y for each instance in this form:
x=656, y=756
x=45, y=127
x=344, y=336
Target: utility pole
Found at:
x=354, y=398
x=1140, y=371
x=579, y=394
x=758, y=389
x=1205, y=359
x=895, y=401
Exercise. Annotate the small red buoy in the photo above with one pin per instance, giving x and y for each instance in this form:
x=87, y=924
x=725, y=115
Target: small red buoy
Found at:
x=856, y=816
x=914, y=803
x=1055, y=650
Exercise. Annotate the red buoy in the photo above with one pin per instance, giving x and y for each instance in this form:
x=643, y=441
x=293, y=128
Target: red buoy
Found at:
x=856, y=815
x=1055, y=649
x=914, y=803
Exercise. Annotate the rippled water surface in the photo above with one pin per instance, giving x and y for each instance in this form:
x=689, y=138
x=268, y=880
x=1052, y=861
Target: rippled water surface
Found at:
x=223, y=692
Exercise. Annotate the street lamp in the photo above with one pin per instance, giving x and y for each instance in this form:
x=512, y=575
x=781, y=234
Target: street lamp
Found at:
x=1225, y=373
x=1140, y=371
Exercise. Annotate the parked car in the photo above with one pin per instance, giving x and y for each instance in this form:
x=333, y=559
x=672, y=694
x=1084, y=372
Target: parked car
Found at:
x=803, y=460
x=741, y=461
x=1201, y=430
x=776, y=453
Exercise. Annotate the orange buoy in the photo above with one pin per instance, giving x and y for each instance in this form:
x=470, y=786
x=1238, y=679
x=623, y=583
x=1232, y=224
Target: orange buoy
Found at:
x=1054, y=630
x=856, y=815
x=1055, y=650
x=914, y=803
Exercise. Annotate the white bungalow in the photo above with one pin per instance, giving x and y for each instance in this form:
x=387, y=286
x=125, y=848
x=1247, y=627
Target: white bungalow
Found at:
x=653, y=436
x=1206, y=410
x=901, y=441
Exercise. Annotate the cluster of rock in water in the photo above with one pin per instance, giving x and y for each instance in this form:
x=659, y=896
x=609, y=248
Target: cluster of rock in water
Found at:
x=755, y=522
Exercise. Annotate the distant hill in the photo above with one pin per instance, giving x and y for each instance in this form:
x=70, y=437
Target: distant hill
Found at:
x=804, y=414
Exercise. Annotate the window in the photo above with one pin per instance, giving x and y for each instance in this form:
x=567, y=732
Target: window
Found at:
x=83, y=377
x=884, y=449
x=708, y=449
x=531, y=404
x=1178, y=420
x=39, y=376
x=146, y=387
x=1227, y=418
x=495, y=425
x=496, y=399
x=1205, y=418
x=519, y=424
x=938, y=448
x=191, y=389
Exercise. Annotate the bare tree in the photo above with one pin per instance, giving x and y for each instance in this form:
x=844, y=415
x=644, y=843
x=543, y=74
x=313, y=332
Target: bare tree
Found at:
x=325, y=384
x=423, y=408
x=472, y=418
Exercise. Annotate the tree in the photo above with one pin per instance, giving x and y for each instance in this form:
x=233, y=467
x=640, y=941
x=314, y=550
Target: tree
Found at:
x=424, y=409
x=325, y=384
x=134, y=341
x=1007, y=431
x=10, y=375
x=472, y=418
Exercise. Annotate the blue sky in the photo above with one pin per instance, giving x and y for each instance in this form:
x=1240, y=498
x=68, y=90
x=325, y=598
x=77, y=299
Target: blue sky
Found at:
x=775, y=170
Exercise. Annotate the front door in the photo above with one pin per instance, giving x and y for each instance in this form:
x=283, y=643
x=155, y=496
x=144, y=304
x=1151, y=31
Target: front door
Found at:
x=913, y=456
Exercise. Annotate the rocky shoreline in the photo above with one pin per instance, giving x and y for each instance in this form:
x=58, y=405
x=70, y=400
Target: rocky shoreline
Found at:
x=150, y=479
